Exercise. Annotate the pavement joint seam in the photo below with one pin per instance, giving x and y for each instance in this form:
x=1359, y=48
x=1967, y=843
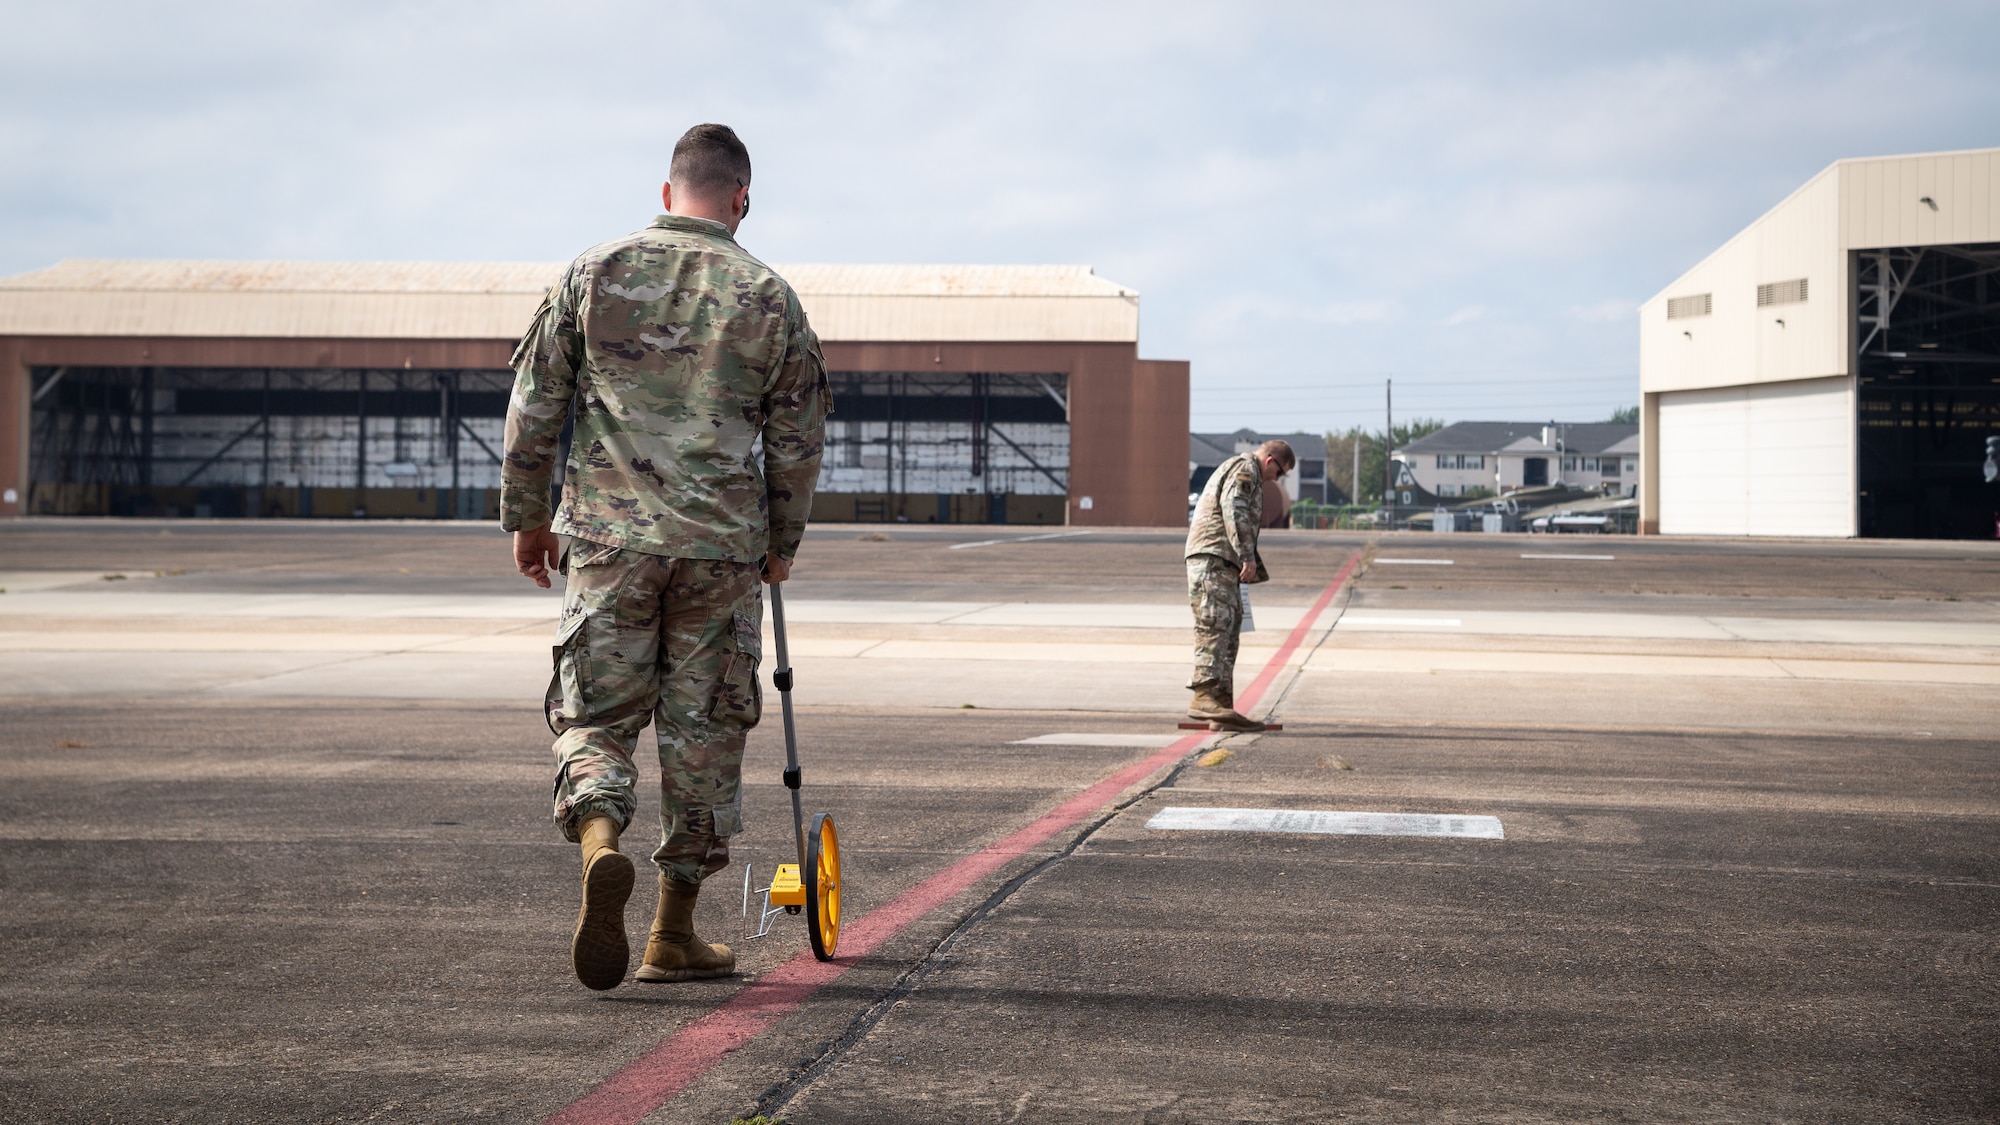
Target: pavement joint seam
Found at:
x=780, y=1094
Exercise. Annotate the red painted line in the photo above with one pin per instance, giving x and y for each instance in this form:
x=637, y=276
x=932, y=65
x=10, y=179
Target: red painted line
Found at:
x=647, y=1082
x=1248, y=697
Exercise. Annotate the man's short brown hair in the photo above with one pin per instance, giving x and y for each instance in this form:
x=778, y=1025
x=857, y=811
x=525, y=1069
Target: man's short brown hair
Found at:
x=1282, y=451
x=709, y=161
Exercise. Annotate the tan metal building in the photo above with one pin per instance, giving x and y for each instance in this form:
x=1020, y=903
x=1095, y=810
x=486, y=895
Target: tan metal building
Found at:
x=1006, y=394
x=1834, y=369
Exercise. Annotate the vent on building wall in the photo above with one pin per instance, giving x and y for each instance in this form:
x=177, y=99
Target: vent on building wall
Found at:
x=1782, y=292
x=1680, y=308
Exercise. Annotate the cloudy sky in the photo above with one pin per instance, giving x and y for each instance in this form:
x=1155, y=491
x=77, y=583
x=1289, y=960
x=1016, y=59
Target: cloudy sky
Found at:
x=1469, y=198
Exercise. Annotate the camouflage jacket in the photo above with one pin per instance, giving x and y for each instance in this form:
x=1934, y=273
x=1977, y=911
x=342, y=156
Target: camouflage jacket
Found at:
x=680, y=351
x=1230, y=510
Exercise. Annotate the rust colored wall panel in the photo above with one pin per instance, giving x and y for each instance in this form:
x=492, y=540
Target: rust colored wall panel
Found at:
x=1158, y=468
x=14, y=392
x=1100, y=436
x=1128, y=436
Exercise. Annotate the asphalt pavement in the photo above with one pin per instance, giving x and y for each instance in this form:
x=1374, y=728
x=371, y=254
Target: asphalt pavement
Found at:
x=274, y=841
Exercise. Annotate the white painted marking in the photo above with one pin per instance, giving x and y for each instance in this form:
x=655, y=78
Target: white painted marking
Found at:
x=1433, y=622
x=1413, y=562
x=1017, y=539
x=1077, y=739
x=1596, y=558
x=1317, y=821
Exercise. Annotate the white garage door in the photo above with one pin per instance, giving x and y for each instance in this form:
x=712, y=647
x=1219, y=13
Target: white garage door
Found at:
x=1773, y=459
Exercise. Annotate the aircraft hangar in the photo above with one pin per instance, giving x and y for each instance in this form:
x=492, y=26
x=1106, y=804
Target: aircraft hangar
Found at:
x=1834, y=369
x=964, y=394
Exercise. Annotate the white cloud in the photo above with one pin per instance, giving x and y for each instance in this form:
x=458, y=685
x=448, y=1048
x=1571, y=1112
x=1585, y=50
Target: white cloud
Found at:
x=1612, y=310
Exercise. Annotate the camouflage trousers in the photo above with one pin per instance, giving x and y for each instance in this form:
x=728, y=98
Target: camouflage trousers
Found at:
x=1215, y=592
x=675, y=641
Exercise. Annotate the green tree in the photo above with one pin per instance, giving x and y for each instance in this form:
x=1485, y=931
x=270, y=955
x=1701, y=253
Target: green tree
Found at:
x=1629, y=415
x=1374, y=458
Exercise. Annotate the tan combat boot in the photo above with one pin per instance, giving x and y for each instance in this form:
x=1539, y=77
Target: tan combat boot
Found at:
x=673, y=952
x=1235, y=723
x=1216, y=706
x=598, y=951
x=1209, y=702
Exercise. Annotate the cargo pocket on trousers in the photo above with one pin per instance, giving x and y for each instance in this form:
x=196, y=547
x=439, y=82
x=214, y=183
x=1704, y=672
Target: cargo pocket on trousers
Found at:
x=729, y=819
x=1217, y=606
x=739, y=697
x=564, y=697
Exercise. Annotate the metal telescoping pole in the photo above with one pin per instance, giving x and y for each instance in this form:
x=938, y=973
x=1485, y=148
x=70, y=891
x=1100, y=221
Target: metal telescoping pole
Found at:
x=783, y=678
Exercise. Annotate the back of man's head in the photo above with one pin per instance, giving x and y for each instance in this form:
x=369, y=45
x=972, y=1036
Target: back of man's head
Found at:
x=1281, y=450
x=710, y=162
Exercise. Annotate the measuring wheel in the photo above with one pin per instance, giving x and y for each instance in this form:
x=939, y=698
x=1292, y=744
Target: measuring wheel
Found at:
x=823, y=887
x=812, y=885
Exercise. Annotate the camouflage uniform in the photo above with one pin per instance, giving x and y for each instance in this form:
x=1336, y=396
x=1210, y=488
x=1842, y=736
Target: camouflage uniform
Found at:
x=1222, y=534
x=678, y=352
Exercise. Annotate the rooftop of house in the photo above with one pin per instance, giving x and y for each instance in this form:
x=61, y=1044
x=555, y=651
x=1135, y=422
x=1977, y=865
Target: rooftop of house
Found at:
x=1212, y=449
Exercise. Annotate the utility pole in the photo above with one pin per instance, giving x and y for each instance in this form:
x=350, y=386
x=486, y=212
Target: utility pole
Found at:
x=1354, y=478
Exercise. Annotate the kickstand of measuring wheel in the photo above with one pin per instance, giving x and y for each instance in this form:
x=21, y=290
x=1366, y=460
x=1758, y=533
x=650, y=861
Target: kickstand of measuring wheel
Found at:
x=766, y=911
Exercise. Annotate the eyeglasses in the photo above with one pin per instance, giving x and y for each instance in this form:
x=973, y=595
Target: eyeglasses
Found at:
x=745, y=213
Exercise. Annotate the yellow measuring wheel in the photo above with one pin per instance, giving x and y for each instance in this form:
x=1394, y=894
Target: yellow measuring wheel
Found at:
x=823, y=888
x=817, y=894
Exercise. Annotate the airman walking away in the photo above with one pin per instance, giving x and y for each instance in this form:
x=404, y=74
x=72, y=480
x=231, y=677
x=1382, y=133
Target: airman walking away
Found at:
x=677, y=352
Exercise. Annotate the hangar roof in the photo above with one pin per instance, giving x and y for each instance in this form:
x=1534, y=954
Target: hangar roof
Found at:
x=494, y=300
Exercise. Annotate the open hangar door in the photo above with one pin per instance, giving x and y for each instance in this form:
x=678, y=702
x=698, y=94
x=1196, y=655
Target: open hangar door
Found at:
x=265, y=441
x=1764, y=459
x=943, y=447
x=1928, y=381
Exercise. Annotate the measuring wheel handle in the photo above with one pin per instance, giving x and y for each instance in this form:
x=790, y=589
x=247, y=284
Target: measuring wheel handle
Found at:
x=821, y=877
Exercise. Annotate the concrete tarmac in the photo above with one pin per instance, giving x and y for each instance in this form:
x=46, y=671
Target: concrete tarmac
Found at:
x=274, y=840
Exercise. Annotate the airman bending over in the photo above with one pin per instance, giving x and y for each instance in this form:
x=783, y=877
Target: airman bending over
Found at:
x=1222, y=559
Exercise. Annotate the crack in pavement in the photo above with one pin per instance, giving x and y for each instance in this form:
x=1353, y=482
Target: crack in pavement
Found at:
x=812, y=1068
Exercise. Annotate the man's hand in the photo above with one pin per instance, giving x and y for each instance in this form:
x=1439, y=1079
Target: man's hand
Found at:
x=535, y=554
x=1249, y=572
x=776, y=569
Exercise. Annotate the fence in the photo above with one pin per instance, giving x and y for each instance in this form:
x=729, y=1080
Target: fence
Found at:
x=1334, y=517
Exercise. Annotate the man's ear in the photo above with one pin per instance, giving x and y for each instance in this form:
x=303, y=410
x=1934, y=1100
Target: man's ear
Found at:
x=667, y=196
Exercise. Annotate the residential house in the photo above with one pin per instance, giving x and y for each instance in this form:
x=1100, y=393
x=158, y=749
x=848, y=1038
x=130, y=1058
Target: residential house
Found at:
x=1306, y=481
x=1503, y=456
